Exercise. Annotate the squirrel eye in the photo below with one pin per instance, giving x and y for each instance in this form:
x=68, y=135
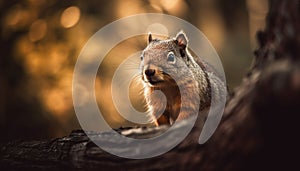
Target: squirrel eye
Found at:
x=171, y=57
x=142, y=57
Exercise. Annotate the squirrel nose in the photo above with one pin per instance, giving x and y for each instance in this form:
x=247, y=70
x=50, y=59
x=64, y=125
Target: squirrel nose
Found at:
x=149, y=72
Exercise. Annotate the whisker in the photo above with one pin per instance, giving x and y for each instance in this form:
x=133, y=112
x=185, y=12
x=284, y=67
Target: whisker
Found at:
x=134, y=61
x=131, y=65
x=127, y=69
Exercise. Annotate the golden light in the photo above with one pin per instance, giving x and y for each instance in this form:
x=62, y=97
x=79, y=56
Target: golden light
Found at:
x=157, y=8
x=176, y=7
x=158, y=28
x=258, y=10
x=37, y=3
x=56, y=100
x=14, y=15
x=33, y=63
x=18, y=17
x=24, y=46
x=37, y=30
x=156, y=5
x=169, y=4
x=56, y=59
x=126, y=8
x=70, y=17
x=213, y=28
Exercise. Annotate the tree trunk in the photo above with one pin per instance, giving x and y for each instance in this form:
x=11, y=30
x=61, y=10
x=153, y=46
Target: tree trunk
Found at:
x=257, y=131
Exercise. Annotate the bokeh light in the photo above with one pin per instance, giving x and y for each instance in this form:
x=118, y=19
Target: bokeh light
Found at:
x=70, y=17
x=37, y=30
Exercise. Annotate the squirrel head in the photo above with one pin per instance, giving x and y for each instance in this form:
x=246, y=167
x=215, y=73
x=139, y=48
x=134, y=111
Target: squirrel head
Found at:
x=163, y=60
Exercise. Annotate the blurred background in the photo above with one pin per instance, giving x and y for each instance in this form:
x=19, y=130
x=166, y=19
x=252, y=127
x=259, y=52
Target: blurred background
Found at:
x=41, y=40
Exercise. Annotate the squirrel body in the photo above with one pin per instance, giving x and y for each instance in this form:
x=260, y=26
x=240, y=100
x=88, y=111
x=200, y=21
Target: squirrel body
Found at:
x=184, y=81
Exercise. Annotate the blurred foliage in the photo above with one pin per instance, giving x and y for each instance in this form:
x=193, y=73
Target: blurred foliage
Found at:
x=41, y=40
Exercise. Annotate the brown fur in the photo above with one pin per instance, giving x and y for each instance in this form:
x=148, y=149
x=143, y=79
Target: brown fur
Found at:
x=190, y=76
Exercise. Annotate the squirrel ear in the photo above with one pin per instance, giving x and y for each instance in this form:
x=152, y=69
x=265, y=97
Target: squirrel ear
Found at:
x=181, y=39
x=149, y=37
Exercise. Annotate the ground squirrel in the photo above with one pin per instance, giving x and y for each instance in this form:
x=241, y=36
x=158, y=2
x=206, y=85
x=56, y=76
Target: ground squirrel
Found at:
x=163, y=58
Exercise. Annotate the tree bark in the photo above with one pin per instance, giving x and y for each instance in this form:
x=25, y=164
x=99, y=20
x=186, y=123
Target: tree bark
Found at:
x=258, y=129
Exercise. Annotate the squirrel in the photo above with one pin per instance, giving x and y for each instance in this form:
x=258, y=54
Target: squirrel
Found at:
x=161, y=62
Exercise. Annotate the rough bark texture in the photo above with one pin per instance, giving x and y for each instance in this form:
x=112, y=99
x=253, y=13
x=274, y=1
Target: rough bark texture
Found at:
x=258, y=130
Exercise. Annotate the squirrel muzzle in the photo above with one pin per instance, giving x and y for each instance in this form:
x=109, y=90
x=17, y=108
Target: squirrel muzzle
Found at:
x=152, y=75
